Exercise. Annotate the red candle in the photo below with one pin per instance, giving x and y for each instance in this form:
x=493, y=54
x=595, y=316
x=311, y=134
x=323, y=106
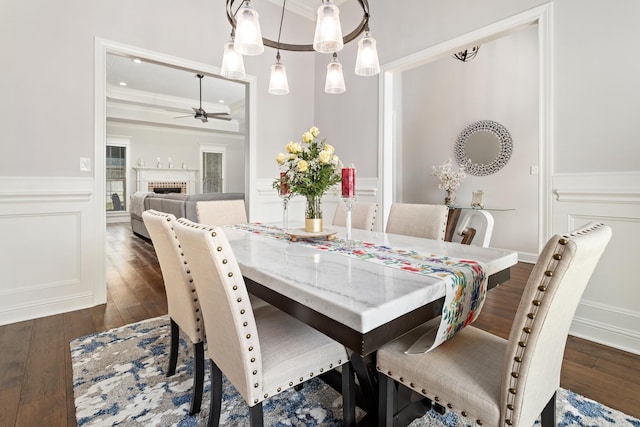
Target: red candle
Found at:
x=284, y=187
x=348, y=182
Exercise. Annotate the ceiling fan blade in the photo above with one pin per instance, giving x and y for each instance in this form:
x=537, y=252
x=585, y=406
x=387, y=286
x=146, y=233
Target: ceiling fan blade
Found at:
x=182, y=117
x=219, y=118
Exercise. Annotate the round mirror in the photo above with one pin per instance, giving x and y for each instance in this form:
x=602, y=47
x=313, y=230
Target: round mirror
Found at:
x=483, y=147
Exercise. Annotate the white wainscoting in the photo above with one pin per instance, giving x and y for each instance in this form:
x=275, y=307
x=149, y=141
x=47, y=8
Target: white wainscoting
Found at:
x=609, y=312
x=270, y=204
x=48, y=255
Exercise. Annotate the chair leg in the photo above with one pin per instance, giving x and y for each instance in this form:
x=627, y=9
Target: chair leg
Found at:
x=173, y=348
x=548, y=416
x=386, y=397
x=198, y=378
x=348, y=395
x=256, y=418
x=216, y=395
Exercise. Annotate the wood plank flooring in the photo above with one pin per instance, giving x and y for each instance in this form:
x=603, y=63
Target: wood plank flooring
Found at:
x=35, y=361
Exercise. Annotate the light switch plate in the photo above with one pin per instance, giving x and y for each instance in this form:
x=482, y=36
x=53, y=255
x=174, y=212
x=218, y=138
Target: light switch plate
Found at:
x=85, y=164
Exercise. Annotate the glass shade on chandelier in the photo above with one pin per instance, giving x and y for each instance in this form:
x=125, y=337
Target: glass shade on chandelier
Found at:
x=328, y=35
x=248, y=39
x=278, y=84
x=328, y=38
x=335, y=79
x=232, y=63
x=367, y=63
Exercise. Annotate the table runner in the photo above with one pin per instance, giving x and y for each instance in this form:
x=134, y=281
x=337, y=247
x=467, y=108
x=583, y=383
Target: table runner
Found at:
x=465, y=280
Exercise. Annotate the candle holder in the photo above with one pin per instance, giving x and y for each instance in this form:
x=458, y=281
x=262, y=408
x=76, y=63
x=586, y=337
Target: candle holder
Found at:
x=285, y=212
x=348, y=207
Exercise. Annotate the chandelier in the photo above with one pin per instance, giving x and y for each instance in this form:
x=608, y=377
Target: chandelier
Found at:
x=246, y=39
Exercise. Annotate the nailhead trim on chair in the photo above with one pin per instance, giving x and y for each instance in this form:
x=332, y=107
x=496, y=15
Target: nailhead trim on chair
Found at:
x=242, y=311
x=184, y=261
x=528, y=328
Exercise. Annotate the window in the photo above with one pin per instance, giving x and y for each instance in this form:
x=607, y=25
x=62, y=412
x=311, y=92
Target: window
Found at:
x=116, y=178
x=212, y=170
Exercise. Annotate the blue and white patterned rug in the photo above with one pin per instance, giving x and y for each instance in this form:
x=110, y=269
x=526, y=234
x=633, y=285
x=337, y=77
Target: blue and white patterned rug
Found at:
x=119, y=379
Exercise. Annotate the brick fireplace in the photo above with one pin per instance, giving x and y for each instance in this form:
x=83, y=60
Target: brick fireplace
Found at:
x=167, y=180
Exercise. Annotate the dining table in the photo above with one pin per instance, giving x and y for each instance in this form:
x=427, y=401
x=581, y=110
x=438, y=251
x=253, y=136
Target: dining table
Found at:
x=364, y=292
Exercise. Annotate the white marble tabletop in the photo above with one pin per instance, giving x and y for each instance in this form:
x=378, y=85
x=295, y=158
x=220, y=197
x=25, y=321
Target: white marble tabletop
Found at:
x=357, y=293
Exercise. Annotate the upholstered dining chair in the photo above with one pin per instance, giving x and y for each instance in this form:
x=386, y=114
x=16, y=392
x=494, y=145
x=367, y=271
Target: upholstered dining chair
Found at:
x=182, y=298
x=500, y=382
x=221, y=212
x=262, y=351
x=419, y=220
x=363, y=215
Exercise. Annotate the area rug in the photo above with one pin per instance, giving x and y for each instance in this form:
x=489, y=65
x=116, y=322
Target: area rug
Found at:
x=119, y=379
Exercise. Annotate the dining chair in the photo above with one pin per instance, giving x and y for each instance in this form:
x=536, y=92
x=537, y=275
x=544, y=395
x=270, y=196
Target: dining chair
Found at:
x=363, y=215
x=474, y=227
x=500, y=382
x=182, y=298
x=262, y=351
x=221, y=212
x=419, y=220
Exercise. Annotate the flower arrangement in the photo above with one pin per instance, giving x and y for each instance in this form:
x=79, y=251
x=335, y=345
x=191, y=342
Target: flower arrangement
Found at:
x=449, y=180
x=311, y=167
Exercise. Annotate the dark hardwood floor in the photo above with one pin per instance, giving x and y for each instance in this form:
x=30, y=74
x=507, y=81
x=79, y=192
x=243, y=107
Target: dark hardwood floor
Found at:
x=35, y=362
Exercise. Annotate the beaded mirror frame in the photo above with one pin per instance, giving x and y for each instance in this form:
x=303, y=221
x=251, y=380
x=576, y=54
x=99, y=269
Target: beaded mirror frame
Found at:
x=503, y=138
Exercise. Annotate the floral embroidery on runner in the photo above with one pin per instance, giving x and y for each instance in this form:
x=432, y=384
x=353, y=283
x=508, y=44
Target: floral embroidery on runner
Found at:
x=465, y=280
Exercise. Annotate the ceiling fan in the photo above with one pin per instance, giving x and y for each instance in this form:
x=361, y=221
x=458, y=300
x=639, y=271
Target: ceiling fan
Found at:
x=203, y=115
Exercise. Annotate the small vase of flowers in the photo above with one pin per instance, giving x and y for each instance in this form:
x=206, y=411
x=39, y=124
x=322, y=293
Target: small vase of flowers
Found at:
x=310, y=168
x=449, y=180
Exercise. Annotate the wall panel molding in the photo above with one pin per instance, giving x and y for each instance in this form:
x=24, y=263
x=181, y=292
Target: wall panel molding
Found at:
x=608, y=312
x=48, y=251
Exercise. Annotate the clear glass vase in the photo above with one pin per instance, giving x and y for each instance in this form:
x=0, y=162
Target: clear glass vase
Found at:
x=450, y=199
x=313, y=214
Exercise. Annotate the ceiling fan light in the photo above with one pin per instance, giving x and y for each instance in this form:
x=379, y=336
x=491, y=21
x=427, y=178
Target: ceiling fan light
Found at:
x=367, y=63
x=248, y=36
x=328, y=34
x=278, y=83
x=232, y=63
x=335, y=79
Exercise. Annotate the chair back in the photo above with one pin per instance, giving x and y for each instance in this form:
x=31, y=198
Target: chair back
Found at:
x=419, y=220
x=363, y=215
x=478, y=224
x=182, y=299
x=232, y=333
x=533, y=359
x=221, y=212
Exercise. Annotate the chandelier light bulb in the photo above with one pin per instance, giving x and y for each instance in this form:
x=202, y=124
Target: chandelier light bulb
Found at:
x=328, y=35
x=232, y=63
x=367, y=63
x=335, y=79
x=278, y=84
x=248, y=38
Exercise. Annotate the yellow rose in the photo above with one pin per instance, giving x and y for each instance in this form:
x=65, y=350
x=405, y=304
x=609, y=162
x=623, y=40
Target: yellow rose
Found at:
x=281, y=158
x=291, y=147
x=324, y=156
x=303, y=166
x=329, y=148
x=293, y=156
x=307, y=137
x=314, y=131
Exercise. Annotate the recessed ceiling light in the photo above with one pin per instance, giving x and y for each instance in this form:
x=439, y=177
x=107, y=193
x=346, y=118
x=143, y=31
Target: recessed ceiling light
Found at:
x=221, y=101
x=123, y=83
x=136, y=60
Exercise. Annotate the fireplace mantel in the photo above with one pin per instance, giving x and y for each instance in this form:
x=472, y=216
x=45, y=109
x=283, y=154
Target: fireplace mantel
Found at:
x=146, y=175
